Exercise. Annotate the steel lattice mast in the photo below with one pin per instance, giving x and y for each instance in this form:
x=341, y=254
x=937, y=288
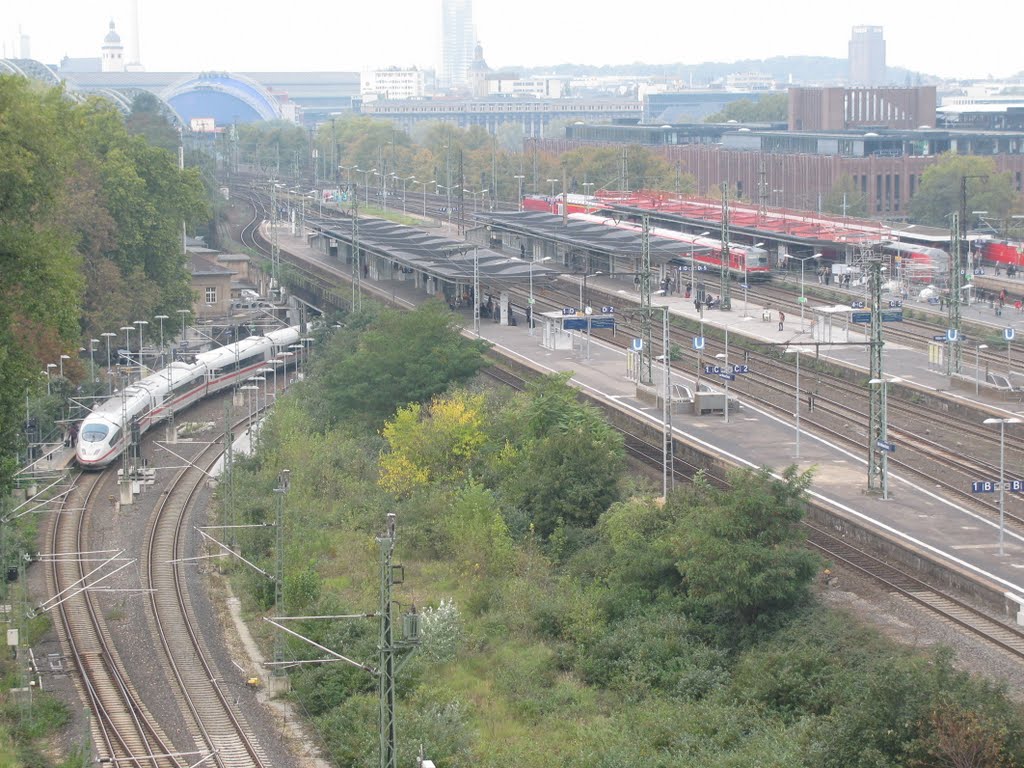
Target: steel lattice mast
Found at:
x=876, y=416
x=725, y=302
x=646, y=307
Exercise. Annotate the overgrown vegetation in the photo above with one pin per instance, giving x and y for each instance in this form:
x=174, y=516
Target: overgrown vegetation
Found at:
x=570, y=618
x=90, y=236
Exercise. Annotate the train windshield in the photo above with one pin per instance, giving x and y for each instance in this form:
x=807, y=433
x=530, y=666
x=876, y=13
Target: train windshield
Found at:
x=93, y=433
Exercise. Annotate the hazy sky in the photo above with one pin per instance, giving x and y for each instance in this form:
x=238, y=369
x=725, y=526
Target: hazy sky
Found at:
x=187, y=35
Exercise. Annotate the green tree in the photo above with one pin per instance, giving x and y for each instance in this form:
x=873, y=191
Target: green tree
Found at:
x=569, y=461
x=939, y=193
x=770, y=108
x=844, y=199
x=402, y=357
x=740, y=553
x=148, y=118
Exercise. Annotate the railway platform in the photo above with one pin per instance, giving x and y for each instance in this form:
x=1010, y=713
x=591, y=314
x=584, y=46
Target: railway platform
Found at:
x=914, y=514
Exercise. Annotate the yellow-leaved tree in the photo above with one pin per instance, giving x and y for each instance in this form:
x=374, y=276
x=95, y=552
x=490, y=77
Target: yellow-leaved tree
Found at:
x=433, y=444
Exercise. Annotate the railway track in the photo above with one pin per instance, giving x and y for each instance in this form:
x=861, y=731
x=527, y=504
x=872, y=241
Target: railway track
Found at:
x=215, y=721
x=124, y=730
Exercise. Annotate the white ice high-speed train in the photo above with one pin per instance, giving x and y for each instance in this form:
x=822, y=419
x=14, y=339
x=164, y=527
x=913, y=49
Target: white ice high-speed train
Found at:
x=102, y=435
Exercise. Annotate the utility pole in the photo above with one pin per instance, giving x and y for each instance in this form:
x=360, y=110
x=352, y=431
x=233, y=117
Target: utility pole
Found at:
x=357, y=273
x=725, y=303
x=625, y=170
x=876, y=394
x=668, y=479
x=762, y=191
x=281, y=489
x=646, y=307
x=229, y=466
x=954, y=361
x=388, y=648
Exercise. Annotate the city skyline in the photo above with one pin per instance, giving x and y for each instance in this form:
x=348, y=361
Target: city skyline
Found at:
x=187, y=36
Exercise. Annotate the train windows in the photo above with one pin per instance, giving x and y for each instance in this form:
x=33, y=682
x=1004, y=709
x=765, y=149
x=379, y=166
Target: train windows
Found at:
x=94, y=433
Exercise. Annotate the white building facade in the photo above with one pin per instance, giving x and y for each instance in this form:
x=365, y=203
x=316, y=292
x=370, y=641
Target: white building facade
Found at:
x=392, y=83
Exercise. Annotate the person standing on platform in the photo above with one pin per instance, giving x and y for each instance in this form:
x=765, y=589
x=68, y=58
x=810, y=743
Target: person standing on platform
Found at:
x=782, y=319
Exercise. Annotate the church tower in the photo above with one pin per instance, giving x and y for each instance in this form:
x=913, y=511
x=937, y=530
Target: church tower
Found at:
x=113, y=52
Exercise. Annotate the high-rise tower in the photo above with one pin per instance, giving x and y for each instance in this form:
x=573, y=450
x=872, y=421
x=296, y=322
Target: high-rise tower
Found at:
x=458, y=41
x=867, y=56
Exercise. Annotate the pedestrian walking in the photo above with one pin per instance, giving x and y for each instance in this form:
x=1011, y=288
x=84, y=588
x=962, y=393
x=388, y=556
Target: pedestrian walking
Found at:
x=782, y=319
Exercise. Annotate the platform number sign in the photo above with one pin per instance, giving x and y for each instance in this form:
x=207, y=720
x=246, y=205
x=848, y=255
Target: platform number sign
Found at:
x=607, y=310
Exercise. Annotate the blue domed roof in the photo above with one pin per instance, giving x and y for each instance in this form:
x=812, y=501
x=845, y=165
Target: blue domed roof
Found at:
x=112, y=36
x=228, y=98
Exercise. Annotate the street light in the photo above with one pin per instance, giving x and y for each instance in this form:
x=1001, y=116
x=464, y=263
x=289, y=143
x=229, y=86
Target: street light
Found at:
x=141, y=324
x=583, y=286
x=425, y=184
x=693, y=264
x=62, y=359
x=161, y=318
x=92, y=361
x=110, y=382
x=803, y=299
x=552, y=182
x=1002, y=472
x=184, y=313
x=519, y=177
x=404, y=180
x=127, y=342
x=546, y=258
x=977, y=365
x=725, y=358
x=383, y=187
x=48, y=367
x=366, y=181
x=448, y=193
x=746, y=257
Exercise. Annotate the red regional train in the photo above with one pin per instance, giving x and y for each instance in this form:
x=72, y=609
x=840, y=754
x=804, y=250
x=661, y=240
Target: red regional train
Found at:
x=1003, y=254
x=745, y=261
x=548, y=204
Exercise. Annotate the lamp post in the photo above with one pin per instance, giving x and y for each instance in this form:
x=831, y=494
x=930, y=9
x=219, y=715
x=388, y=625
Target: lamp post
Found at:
x=248, y=388
x=48, y=367
x=366, y=182
x=92, y=360
x=1002, y=471
x=803, y=299
x=383, y=187
x=161, y=318
x=267, y=369
x=142, y=324
x=693, y=265
x=448, y=193
x=583, y=287
x=552, y=182
x=184, y=313
x=746, y=258
x=127, y=342
x=62, y=359
x=519, y=177
x=797, y=350
x=546, y=258
x=725, y=359
x=404, y=180
x=977, y=366
x=110, y=382
x=425, y=184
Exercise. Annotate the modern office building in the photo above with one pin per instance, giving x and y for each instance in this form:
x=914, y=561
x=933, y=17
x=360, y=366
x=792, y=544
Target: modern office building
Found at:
x=392, y=83
x=841, y=109
x=458, y=42
x=867, y=56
